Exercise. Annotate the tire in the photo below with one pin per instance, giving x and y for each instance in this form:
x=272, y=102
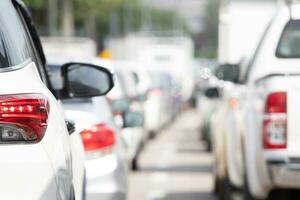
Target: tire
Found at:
x=246, y=191
x=216, y=186
x=135, y=164
x=226, y=190
x=72, y=197
x=284, y=194
x=152, y=135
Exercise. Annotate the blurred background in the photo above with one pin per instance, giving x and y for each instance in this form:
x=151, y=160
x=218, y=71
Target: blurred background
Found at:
x=106, y=20
x=184, y=48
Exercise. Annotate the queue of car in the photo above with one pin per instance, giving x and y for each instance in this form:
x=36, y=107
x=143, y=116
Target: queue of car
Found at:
x=66, y=131
x=254, y=128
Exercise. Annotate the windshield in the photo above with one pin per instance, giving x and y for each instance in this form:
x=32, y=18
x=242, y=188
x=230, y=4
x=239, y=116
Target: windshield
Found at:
x=289, y=45
x=160, y=80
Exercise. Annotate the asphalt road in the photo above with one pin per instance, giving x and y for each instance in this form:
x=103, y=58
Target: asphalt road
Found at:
x=174, y=165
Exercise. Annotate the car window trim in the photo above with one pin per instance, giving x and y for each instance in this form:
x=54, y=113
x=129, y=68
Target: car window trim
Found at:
x=16, y=67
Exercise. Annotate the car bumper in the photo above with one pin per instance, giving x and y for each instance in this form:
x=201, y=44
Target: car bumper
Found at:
x=106, y=177
x=285, y=174
x=109, y=196
x=26, y=174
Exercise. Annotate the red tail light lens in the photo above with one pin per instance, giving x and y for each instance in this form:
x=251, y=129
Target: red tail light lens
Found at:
x=233, y=103
x=155, y=91
x=275, y=121
x=276, y=103
x=99, y=137
x=23, y=117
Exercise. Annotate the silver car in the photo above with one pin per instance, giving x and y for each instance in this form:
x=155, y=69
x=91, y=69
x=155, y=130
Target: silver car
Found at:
x=106, y=165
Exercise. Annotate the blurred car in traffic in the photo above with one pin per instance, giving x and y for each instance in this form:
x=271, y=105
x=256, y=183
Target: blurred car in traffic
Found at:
x=105, y=159
x=271, y=142
x=134, y=135
x=159, y=102
x=132, y=132
x=260, y=132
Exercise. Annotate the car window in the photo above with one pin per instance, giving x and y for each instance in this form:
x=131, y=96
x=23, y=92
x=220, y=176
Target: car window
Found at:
x=161, y=80
x=14, y=46
x=289, y=44
x=34, y=55
x=127, y=83
x=55, y=76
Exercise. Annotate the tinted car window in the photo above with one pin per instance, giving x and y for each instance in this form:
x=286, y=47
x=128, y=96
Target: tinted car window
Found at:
x=161, y=80
x=14, y=48
x=55, y=76
x=289, y=45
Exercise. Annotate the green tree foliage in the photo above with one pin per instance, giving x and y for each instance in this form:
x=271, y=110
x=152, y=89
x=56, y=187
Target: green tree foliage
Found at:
x=35, y=4
x=97, y=18
x=99, y=8
x=211, y=27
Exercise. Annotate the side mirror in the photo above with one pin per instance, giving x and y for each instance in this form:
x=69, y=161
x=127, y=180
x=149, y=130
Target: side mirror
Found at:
x=212, y=93
x=133, y=119
x=86, y=80
x=228, y=72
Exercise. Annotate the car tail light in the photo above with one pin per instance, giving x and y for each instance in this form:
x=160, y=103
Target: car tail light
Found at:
x=23, y=117
x=275, y=121
x=98, y=138
x=233, y=103
x=155, y=91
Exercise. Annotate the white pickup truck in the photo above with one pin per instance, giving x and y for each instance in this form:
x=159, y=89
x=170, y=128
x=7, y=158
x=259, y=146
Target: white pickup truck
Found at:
x=241, y=24
x=271, y=114
x=261, y=137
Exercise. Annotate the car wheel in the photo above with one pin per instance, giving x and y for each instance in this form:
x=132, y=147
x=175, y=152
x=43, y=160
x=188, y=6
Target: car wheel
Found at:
x=226, y=189
x=152, y=135
x=72, y=193
x=284, y=194
x=135, y=164
x=216, y=185
x=246, y=191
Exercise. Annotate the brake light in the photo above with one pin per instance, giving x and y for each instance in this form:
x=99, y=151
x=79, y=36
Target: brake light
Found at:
x=23, y=117
x=99, y=137
x=276, y=103
x=155, y=91
x=275, y=121
x=233, y=103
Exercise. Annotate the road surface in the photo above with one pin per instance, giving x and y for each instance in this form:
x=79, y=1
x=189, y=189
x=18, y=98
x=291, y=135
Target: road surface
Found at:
x=174, y=165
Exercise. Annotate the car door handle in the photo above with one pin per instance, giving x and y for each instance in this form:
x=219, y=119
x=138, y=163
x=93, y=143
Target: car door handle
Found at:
x=70, y=126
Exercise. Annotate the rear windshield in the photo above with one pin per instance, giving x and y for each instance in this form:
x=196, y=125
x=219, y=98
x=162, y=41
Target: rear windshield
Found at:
x=289, y=44
x=160, y=80
x=14, y=47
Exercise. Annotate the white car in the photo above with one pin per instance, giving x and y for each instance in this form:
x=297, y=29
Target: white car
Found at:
x=38, y=159
x=266, y=139
x=105, y=159
x=134, y=135
x=159, y=104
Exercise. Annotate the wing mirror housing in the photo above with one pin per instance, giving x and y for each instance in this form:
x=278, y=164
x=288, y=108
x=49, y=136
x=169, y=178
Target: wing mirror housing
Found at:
x=86, y=80
x=212, y=93
x=228, y=72
x=133, y=119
